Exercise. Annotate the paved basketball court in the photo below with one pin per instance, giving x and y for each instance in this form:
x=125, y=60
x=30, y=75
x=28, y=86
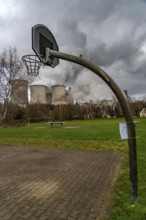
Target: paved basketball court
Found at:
x=56, y=184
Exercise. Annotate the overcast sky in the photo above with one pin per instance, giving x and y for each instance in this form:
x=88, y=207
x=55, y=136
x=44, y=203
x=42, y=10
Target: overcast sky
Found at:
x=109, y=33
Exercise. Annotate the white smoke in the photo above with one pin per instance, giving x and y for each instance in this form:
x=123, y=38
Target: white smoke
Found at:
x=89, y=87
x=85, y=85
x=51, y=76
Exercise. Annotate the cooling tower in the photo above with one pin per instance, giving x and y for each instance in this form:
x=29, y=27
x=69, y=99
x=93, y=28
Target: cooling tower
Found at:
x=38, y=94
x=19, y=91
x=58, y=95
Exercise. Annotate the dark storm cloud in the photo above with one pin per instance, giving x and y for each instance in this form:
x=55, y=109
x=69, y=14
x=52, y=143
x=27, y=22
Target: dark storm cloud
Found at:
x=110, y=33
x=113, y=31
x=72, y=34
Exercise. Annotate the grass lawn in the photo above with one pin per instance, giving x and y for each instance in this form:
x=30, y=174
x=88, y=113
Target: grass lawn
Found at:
x=92, y=135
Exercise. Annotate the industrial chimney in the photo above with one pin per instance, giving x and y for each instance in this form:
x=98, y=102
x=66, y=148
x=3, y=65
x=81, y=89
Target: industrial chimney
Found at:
x=69, y=98
x=126, y=93
x=19, y=91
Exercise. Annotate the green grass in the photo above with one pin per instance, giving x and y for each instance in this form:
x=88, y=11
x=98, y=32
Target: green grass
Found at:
x=84, y=134
x=122, y=207
x=92, y=135
x=100, y=129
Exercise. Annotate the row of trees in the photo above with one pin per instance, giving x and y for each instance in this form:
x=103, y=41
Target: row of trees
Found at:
x=42, y=112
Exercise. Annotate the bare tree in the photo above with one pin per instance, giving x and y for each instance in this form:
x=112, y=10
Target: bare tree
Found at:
x=10, y=68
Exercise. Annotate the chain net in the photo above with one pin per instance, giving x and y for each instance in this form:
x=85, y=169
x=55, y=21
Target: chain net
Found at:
x=32, y=64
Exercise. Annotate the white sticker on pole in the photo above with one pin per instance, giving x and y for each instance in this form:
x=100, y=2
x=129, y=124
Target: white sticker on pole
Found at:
x=123, y=130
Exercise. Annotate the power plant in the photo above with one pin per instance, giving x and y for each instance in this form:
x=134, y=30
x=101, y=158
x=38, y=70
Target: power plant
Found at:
x=39, y=94
x=19, y=92
x=58, y=95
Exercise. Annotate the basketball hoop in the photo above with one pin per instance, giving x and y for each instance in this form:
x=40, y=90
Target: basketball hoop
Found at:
x=32, y=64
x=42, y=41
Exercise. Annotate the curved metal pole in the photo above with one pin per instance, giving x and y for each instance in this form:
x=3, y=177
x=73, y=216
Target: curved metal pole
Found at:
x=126, y=110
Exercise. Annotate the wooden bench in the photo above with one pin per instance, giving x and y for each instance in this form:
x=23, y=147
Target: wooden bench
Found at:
x=52, y=123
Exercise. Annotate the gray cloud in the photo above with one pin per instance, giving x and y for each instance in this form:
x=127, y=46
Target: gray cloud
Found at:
x=110, y=33
x=73, y=35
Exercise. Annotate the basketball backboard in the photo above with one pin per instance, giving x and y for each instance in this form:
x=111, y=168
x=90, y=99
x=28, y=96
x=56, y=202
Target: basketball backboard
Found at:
x=42, y=41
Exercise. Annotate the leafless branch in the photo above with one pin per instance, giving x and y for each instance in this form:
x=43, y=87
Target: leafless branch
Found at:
x=10, y=69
